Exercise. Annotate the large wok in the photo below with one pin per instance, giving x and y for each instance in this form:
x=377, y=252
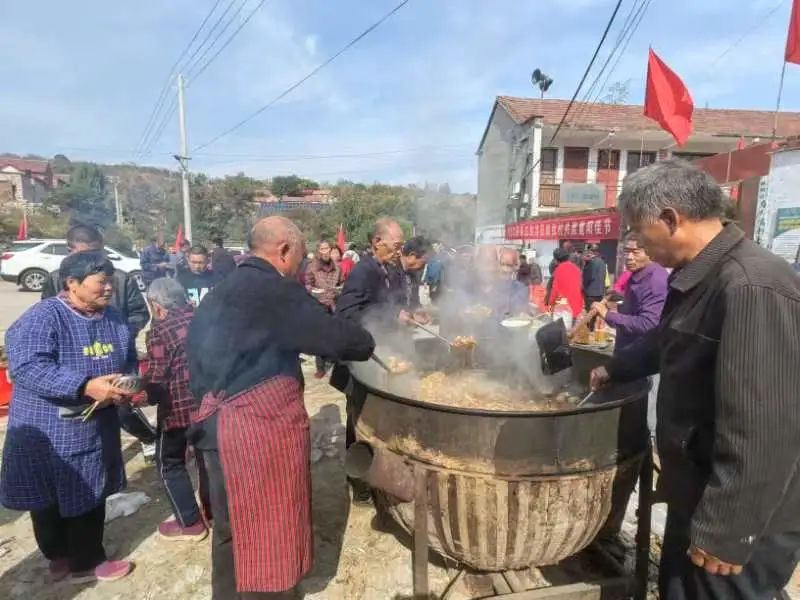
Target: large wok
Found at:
x=505, y=490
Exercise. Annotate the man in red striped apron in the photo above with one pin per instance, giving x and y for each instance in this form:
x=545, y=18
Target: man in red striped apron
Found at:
x=244, y=345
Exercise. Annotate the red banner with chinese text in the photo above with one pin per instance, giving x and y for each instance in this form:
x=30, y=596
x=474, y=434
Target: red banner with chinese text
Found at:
x=582, y=227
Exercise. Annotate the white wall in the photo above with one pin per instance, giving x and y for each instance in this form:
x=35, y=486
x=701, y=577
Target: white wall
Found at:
x=783, y=197
x=494, y=162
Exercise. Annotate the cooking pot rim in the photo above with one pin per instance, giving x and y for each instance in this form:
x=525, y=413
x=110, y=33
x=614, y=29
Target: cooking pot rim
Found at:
x=638, y=391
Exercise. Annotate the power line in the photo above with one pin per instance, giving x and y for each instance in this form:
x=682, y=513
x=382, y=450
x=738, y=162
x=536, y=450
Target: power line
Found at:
x=620, y=37
x=210, y=33
x=760, y=22
x=313, y=72
x=165, y=87
x=188, y=68
x=154, y=137
x=165, y=118
x=634, y=28
x=197, y=74
x=588, y=68
x=583, y=107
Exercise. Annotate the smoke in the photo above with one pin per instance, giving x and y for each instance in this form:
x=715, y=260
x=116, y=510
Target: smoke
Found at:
x=476, y=300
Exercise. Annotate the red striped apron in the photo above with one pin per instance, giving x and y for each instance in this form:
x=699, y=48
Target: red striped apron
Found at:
x=264, y=445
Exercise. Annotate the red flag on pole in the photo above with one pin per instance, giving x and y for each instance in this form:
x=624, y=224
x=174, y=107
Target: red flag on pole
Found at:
x=341, y=242
x=667, y=100
x=793, y=37
x=22, y=231
x=179, y=238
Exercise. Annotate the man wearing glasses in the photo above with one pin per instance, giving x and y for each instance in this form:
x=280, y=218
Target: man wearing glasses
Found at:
x=374, y=295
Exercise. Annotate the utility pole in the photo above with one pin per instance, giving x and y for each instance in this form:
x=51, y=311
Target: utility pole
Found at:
x=117, y=204
x=183, y=159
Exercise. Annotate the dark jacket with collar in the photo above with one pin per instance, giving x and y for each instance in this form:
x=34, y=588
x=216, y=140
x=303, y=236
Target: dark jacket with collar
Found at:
x=728, y=351
x=372, y=289
x=594, y=277
x=255, y=324
x=127, y=297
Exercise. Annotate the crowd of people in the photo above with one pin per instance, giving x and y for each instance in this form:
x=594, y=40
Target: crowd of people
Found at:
x=223, y=366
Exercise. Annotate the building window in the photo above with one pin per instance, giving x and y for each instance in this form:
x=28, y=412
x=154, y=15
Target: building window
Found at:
x=549, y=162
x=637, y=160
x=576, y=164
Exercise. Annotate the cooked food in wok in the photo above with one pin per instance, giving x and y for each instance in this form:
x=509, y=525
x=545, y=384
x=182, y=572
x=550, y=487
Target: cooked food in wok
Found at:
x=472, y=389
x=398, y=366
x=464, y=342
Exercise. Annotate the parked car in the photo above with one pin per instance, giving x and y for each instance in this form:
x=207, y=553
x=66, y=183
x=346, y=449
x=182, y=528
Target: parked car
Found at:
x=28, y=263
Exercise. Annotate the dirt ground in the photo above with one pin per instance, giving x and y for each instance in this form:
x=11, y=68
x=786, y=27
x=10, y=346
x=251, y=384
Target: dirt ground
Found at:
x=354, y=559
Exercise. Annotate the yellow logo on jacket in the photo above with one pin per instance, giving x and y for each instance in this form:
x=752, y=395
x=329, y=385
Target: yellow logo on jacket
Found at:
x=98, y=350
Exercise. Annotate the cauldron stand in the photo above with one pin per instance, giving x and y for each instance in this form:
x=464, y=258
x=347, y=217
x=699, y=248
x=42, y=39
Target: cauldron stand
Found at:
x=509, y=586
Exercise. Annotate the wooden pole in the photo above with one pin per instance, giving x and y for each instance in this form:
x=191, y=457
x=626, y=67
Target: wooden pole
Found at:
x=778, y=103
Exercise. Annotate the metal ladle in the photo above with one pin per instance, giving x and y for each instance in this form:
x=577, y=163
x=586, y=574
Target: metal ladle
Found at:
x=433, y=333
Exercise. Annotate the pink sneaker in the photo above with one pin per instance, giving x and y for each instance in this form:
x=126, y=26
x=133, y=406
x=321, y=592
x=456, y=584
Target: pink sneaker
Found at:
x=171, y=530
x=59, y=569
x=110, y=570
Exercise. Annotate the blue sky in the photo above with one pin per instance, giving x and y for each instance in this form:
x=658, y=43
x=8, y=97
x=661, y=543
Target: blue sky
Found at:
x=407, y=104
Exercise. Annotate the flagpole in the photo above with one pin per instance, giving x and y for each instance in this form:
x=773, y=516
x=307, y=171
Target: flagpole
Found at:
x=778, y=103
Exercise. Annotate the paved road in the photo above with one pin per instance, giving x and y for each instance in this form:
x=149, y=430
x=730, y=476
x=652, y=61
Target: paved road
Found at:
x=12, y=304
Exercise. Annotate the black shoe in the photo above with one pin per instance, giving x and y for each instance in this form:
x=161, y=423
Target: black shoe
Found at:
x=362, y=495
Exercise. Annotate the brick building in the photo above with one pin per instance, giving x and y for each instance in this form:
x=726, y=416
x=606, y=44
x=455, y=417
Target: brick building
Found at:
x=521, y=175
x=24, y=181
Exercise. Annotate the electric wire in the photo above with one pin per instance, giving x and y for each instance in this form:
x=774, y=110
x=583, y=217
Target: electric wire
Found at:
x=586, y=72
x=308, y=76
x=165, y=87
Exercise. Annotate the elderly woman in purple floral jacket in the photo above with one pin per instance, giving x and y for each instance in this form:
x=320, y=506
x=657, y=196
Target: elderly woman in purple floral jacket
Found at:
x=64, y=356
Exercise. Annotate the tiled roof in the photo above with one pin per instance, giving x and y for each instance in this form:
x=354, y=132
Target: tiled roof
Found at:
x=38, y=167
x=725, y=122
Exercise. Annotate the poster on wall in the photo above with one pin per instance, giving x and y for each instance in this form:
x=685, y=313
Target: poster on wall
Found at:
x=786, y=233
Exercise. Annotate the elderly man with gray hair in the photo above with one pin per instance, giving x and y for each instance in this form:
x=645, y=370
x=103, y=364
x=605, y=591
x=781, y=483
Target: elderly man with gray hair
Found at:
x=728, y=350
x=167, y=384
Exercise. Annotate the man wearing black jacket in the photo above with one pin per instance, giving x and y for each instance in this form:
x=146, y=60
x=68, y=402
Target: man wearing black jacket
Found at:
x=594, y=276
x=374, y=293
x=727, y=348
x=244, y=350
x=127, y=298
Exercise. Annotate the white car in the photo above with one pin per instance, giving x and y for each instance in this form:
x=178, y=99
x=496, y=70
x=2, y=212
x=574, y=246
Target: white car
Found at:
x=28, y=263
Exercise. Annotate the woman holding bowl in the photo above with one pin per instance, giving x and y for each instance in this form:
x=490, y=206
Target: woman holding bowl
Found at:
x=61, y=459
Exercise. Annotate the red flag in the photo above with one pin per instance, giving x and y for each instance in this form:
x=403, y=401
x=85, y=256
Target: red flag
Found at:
x=179, y=238
x=22, y=231
x=340, y=239
x=667, y=100
x=793, y=37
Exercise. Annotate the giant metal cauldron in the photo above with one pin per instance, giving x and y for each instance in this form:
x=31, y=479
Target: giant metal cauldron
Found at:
x=504, y=490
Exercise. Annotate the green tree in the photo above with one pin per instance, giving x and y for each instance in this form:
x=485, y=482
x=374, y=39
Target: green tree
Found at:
x=223, y=207
x=85, y=198
x=291, y=185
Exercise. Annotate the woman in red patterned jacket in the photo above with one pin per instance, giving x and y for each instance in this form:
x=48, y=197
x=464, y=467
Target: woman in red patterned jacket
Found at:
x=167, y=384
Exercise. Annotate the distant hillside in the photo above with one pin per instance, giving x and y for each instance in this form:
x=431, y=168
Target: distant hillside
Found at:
x=152, y=205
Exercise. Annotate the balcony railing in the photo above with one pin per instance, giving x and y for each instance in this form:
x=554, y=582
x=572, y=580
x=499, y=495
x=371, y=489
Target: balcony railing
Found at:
x=549, y=194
